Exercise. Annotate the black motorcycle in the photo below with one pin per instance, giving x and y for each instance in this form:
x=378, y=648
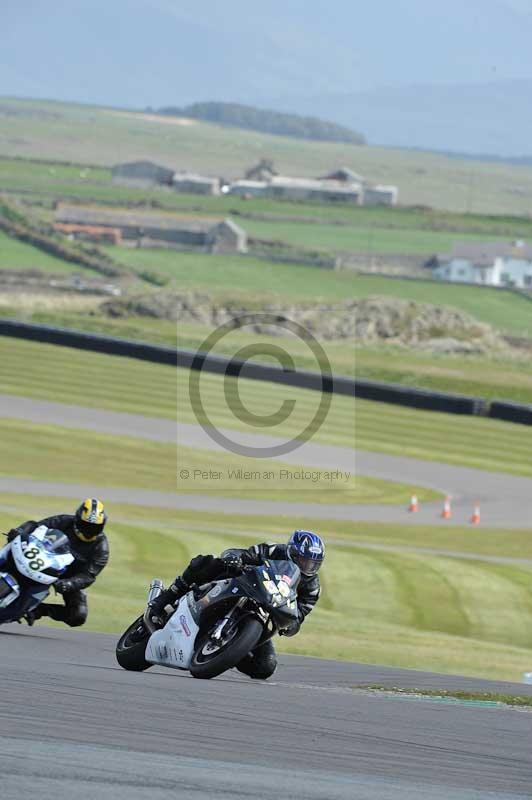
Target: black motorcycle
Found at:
x=216, y=625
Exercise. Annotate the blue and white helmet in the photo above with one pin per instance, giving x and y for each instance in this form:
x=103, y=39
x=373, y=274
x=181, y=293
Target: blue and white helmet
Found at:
x=306, y=549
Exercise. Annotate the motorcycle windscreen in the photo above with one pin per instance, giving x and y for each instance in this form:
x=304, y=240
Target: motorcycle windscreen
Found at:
x=55, y=542
x=43, y=555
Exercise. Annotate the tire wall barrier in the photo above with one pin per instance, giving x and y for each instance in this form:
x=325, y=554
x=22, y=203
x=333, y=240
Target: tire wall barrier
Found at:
x=395, y=394
x=511, y=412
x=419, y=398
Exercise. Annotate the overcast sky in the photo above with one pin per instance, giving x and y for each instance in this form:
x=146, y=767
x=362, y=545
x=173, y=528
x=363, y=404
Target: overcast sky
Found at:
x=152, y=52
x=302, y=55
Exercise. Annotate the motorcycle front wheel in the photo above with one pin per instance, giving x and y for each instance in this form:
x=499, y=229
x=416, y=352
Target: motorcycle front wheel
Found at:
x=211, y=658
x=131, y=647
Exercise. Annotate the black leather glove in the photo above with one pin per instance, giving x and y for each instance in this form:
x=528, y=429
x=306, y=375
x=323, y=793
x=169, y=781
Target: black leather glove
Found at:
x=63, y=586
x=291, y=630
x=233, y=564
x=201, y=570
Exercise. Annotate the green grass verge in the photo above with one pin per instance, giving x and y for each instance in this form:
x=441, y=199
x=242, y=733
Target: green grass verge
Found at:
x=494, y=376
x=91, y=379
x=31, y=449
x=408, y=610
x=481, y=376
x=423, y=178
x=15, y=255
x=486, y=698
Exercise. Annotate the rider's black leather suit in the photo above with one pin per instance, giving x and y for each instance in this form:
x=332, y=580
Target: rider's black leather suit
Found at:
x=262, y=661
x=89, y=560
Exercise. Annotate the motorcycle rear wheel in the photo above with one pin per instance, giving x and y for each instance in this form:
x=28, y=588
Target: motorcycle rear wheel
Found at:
x=209, y=666
x=130, y=649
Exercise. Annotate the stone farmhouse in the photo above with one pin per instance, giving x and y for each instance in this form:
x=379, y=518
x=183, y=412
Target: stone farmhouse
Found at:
x=489, y=264
x=146, y=229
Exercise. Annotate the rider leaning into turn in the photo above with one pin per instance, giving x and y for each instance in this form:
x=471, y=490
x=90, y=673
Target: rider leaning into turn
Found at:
x=90, y=548
x=304, y=548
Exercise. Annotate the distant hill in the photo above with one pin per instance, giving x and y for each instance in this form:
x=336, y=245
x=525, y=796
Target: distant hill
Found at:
x=267, y=121
x=340, y=55
x=484, y=118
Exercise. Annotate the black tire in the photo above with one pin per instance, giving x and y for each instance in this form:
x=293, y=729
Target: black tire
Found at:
x=229, y=656
x=130, y=653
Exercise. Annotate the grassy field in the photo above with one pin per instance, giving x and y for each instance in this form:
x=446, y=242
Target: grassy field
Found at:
x=15, y=255
x=65, y=375
x=58, y=131
x=43, y=182
x=491, y=376
x=36, y=450
x=368, y=240
x=411, y=610
x=227, y=275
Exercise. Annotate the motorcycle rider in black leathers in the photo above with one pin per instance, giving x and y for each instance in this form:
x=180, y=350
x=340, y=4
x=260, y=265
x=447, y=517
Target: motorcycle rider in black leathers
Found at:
x=90, y=548
x=305, y=548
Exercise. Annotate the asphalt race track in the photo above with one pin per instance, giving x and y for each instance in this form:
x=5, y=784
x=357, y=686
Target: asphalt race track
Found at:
x=75, y=725
x=506, y=500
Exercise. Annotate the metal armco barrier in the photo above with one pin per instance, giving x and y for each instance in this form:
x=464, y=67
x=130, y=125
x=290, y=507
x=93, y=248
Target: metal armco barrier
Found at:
x=395, y=394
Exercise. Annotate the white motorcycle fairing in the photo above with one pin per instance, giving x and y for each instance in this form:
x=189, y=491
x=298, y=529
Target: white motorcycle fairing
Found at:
x=173, y=645
x=32, y=558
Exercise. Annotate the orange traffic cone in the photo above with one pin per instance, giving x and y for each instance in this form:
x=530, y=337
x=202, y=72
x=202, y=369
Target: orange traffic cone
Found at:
x=414, y=506
x=475, y=519
x=446, y=513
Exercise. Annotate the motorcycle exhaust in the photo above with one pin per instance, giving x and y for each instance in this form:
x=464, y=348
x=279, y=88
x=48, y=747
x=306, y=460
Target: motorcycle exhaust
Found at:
x=156, y=587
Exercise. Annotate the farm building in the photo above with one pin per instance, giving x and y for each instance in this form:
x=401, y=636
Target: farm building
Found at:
x=248, y=188
x=227, y=237
x=344, y=175
x=312, y=189
x=191, y=183
x=142, y=174
x=490, y=264
x=263, y=171
x=341, y=186
x=380, y=195
x=143, y=229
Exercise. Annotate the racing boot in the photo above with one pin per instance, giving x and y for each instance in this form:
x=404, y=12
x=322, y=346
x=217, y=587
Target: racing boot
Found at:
x=168, y=597
x=32, y=616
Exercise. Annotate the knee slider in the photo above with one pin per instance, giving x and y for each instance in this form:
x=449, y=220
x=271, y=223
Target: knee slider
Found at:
x=265, y=667
x=77, y=617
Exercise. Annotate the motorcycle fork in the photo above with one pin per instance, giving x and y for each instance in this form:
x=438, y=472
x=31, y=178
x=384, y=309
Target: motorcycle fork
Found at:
x=217, y=633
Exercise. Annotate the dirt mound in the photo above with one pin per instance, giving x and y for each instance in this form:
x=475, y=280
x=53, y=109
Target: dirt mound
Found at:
x=371, y=320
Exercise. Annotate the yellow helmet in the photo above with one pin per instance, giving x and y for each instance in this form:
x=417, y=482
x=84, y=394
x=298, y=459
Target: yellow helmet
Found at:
x=90, y=519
